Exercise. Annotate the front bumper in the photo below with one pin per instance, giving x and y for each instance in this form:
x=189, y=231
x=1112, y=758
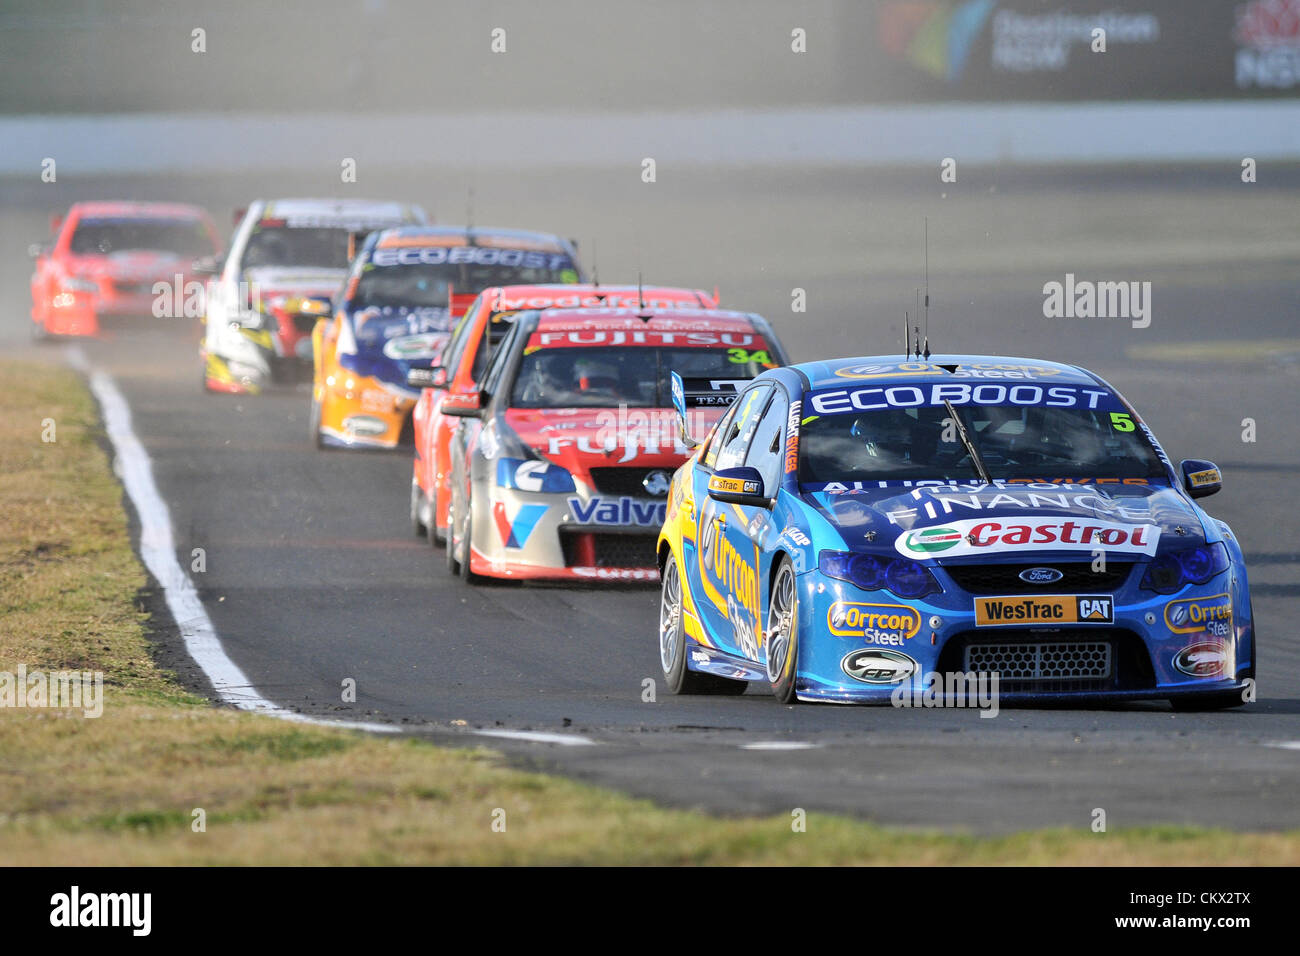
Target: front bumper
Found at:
x=363, y=412
x=572, y=536
x=1146, y=656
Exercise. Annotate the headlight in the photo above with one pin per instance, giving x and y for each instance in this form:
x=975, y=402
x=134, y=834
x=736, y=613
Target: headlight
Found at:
x=533, y=475
x=73, y=284
x=1172, y=570
x=902, y=576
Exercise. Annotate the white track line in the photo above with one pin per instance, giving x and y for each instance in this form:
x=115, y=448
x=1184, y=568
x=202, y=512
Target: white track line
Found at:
x=158, y=550
x=1284, y=744
x=779, y=745
x=539, y=737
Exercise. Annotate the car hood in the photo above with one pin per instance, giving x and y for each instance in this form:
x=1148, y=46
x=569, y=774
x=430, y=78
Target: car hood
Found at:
x=579, y=439
x=135, y=265
x=1008, y=519
x=279, y=280
x=392, y=340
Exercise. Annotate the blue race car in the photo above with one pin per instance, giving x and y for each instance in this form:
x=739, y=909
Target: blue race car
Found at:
x=858, y=526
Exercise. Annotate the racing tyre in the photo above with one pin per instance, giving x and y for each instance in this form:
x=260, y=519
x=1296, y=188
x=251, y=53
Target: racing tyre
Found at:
x=466, y=546
x=417, y=499
x=453, y=565
x=672, y=645
x=313, y=422
x=782, y=641
x=437, y=539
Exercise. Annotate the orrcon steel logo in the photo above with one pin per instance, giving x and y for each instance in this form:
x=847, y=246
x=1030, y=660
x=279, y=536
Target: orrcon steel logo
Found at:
x=930, y=540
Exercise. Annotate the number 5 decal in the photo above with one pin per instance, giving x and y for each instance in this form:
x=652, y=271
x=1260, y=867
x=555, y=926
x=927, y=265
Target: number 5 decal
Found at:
x=1121, y=422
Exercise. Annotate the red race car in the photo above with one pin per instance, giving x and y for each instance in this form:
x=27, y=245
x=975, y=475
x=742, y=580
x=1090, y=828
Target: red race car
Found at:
x=119, y=259
x=562, y=464
x=484, y=324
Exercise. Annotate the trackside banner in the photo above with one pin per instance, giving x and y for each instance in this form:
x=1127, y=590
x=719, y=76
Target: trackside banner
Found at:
x=1082, y=50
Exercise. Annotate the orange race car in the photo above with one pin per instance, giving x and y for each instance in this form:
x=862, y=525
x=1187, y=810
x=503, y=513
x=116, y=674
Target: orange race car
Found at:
x=485, y=323
x=396, y=311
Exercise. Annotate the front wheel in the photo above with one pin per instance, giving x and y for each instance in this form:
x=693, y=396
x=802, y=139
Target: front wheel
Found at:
x=672, y=644
x=417, y=503
x=782, y=638
x=436, y=538
x=313, y=423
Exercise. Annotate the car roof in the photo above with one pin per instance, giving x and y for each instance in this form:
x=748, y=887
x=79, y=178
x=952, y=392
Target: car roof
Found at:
x=126, y=209
x=896, y=370
x=341, y=208
x=676, y=295
x=477, y=235
x=661, y=320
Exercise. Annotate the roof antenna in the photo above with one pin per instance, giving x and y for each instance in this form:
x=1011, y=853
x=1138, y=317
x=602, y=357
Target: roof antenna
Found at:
x=927, y=287
x=595, y=273
x=907, y=352
x=645, y=314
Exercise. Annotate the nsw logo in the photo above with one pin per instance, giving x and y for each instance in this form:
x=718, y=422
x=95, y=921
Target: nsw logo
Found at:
x=657, y=483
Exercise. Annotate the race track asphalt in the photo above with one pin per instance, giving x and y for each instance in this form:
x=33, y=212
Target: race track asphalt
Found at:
x=313, y=576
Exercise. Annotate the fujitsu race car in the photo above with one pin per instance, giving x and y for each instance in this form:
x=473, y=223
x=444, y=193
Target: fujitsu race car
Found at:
x=461, y=366
x=561, y=467
x=395, y=312
x=286, y=261
x=107, y=259
x=855, y=527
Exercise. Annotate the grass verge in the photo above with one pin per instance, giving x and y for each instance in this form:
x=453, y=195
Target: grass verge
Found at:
x=124, y=788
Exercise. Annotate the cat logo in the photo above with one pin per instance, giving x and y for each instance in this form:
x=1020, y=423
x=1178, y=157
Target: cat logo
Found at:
x=1095, y=610
x=1050, y=609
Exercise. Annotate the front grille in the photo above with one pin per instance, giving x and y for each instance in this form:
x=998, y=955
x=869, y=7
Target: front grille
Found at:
x=1053, y=661
x=614, y=550
x=133, y=288
x=1078, y=578
x=304, y=323
x=1048, y=661
x=623, y=481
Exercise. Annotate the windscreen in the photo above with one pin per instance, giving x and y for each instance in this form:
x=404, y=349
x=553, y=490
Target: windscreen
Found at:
x=1011, y=441
x=426, y=283
x=183, y=237
x=607, y=377
x=321, y=247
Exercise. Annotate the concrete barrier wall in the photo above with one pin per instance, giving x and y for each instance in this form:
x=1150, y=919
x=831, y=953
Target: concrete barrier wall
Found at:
x=846, y=136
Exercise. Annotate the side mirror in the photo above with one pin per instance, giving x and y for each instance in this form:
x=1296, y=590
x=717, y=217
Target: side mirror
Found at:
x=1201, y=478
x=56, y=223
x=238, y=216
x=679, y=405
x=739, y=486
x=435, y=377
x=461, y=404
